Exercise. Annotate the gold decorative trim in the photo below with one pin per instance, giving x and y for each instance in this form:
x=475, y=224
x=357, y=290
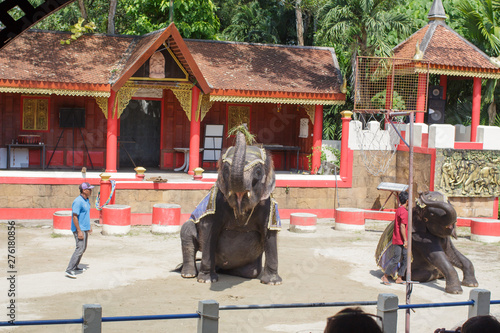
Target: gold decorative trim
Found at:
x=178, y=86
x=311, y=111
x=185, y=98
x=124, y=96
x=451, y=72
x=60, y=92
x=204, y=106
x=102, y=102
x=301, y=101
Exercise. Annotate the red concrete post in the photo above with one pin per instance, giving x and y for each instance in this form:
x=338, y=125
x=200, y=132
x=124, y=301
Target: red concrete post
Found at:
x=344, y=145
x=476, y=108
x=421, y=93
x=194, y=140
x=111, y=137
x=317, y=139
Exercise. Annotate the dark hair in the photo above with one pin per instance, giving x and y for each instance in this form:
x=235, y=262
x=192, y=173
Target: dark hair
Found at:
x=352, y=320
x=483, y=324
x=403, y=197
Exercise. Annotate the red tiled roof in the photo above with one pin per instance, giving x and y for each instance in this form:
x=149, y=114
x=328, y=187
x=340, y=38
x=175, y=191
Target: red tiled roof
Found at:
x=273, y=68
x=39, y=56
x=447, y=50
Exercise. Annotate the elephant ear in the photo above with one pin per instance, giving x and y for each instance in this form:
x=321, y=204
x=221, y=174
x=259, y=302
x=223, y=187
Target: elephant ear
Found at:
x=269, y=180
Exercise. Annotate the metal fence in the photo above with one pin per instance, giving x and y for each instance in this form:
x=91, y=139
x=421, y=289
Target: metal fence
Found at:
x=208, y=312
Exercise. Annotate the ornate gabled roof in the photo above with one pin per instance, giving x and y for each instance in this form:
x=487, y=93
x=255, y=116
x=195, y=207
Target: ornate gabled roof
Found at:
x=91, y=65
x=95, y=64
x=239, y=72
x=447, y=51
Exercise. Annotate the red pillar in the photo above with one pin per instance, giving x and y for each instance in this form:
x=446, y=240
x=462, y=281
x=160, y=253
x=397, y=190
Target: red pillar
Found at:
x=443, y=82
x=476, y=108
x=317, y=139
x=421, y=93
x=344, y=146
x=388, y=93
x=194, y=139
x=112, y=134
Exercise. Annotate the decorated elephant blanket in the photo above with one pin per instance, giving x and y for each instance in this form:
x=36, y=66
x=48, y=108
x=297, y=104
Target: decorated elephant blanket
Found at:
x=207, y=206
x=385, y=251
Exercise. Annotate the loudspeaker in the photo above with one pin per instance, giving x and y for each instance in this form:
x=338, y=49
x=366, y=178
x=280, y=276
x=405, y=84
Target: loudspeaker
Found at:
x=435, y=92
x=436, y=111
x=71, y=117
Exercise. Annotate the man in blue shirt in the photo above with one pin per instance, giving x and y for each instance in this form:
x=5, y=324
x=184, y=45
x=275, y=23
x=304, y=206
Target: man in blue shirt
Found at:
x=81, y=228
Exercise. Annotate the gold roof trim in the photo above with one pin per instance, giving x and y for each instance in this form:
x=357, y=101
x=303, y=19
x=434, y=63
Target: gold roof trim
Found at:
x=301, y=101
x=60, y=92
x=454, y=72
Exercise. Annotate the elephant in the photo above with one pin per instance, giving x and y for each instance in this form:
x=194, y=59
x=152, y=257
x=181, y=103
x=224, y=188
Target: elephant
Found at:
x=237, y=222
x=434, y=255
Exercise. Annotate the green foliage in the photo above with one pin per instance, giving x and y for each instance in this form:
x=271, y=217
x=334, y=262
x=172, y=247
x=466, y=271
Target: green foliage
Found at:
x=78, y=30
x=193, y=18
x=378, y=100
x=249, y=137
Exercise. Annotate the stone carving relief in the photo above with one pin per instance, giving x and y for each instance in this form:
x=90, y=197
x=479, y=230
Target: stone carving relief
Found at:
x=470, y=173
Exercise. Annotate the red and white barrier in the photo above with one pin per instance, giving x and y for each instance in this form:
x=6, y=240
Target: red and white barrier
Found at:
x=485, y=230
x=116, y=220
x=166, y=218
x=349, y=219
x=303, y=222
x=61, y=222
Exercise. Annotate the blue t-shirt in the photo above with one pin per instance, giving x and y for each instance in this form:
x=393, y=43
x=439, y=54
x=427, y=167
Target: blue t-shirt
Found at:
x=81, y=207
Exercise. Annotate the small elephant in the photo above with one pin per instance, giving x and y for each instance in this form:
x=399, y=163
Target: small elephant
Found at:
x=237, y=222
x=434, y=255
x=434, y=221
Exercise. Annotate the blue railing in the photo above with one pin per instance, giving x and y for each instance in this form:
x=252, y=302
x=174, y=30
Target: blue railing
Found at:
x=210, y=313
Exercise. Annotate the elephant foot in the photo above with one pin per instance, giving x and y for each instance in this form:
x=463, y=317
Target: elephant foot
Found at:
x=457, y=290
x=271, y=279
x=470, y=282
x=188, y=272
x=207, y=277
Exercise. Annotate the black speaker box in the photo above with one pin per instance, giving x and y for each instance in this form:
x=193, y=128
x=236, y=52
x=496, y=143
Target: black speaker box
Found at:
x=436, y=111
x=435, y=92
x=71, y=117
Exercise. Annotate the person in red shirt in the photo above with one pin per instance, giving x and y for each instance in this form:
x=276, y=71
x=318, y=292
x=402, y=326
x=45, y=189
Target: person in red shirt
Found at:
x=399, y=241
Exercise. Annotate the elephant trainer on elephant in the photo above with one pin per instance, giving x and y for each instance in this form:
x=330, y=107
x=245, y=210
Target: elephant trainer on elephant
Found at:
x=237, y=222
x=434, y=255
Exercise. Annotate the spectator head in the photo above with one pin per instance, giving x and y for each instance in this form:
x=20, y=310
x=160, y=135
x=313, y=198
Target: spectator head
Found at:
x=352, y=320
x=483, y=324
x=403, y=197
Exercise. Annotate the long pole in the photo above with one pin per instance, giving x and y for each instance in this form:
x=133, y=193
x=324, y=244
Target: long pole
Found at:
x=410, y=225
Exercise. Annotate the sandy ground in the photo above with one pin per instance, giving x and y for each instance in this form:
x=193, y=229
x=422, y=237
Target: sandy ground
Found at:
x=132, y=275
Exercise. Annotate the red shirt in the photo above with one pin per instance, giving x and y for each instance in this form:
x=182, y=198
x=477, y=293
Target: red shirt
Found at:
x=401, y=218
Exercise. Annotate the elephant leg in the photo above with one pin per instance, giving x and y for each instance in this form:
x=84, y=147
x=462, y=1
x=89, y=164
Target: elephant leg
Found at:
x=440, y=260
x=460, y=261
x=270, y=273
x=190, y=246
x=209, y=231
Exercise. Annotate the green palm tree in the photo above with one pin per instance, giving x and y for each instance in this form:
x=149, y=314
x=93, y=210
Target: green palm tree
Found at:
x=251, y=24
x=362, y=25
x=482, y=26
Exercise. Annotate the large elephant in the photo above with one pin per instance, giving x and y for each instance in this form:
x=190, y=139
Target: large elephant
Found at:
x=434, y=255
x=237, y=222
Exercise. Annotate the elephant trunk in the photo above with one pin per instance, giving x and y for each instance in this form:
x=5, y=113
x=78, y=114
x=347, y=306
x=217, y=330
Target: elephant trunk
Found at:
x=444, y=209
x=237, y=183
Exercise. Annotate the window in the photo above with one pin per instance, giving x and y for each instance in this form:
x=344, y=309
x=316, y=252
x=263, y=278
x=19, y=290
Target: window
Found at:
x=237, y=115
x=35, y=113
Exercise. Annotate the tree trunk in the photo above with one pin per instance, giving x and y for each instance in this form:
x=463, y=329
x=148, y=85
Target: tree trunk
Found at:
x=83, y=11
x=111, y=16
x=300, y=23
x=492, y=112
